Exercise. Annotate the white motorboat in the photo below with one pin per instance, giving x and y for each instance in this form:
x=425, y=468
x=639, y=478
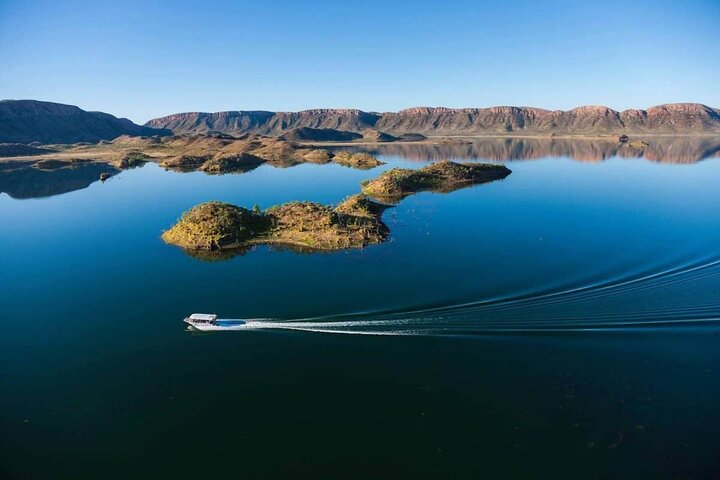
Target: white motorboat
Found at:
x=207, y=322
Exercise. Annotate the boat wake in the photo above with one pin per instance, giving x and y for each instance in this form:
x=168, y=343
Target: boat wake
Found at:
x=681, y=295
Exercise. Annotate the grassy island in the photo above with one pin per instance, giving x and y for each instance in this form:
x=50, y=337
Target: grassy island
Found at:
x=217, y=226
x=445, y=176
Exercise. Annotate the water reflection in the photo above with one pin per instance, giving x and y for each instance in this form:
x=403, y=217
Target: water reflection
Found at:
x=228, y=254
x=680, y=150
x=22, y=181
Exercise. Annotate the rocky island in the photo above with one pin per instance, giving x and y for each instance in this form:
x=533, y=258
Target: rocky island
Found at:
x=217, y=226
x=359, y=160
x=354, y=223
x=444, y=176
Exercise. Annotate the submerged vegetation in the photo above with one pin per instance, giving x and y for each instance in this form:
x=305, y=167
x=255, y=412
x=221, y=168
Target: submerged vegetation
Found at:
x=307, y=226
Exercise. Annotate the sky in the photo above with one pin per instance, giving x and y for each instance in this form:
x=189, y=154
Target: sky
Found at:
x=145, y=59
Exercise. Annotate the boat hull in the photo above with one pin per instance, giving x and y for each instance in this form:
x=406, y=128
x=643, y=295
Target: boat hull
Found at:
x=217, y=326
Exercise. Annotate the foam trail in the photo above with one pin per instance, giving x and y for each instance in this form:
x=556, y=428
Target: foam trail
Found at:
x=587, y=307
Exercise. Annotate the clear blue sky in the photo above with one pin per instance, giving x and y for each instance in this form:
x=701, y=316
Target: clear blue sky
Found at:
x=143, y=59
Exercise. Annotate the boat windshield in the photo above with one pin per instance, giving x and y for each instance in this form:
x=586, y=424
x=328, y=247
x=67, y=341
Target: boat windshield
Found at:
x=202, y=318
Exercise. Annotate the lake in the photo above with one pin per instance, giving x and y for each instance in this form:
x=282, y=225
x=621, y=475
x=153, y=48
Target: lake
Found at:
x=560, y=322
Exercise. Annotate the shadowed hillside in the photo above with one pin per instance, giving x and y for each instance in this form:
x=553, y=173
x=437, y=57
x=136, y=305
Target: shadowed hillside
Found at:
x=26, y=121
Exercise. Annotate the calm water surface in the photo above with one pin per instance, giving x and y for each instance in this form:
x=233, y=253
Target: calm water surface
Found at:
x=558, y=323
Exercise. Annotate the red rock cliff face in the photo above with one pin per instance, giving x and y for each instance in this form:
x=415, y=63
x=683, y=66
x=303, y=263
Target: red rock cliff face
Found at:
x=449, y=121
x=681, y=118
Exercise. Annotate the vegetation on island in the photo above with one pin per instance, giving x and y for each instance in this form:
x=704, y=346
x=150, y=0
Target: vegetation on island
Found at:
x=307, y=226
x=444, y=176
x=132, y=159
x=217, y=226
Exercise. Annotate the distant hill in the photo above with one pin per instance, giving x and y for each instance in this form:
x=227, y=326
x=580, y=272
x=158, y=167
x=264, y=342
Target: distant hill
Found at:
x=26, y=121
x=307, y=134
x=373, y=135
x=676, y=118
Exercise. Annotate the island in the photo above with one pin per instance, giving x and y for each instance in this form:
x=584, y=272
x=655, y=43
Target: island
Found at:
x=217, y=227
x=443, y=176
x=359, y=160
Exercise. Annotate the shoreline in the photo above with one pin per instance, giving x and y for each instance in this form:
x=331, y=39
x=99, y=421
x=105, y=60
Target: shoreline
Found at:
x=438, y=139
x=104, y=154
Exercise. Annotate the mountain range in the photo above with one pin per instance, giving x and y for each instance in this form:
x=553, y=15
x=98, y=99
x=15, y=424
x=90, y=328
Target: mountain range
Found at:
x=27, y=121
x=677, y=118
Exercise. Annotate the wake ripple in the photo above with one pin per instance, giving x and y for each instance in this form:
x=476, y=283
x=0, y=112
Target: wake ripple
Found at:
x=681, y=295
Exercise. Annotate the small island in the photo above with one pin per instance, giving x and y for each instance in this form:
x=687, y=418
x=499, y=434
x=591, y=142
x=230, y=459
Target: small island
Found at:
x=217, y=227
x=360, y=160
x=444, y=176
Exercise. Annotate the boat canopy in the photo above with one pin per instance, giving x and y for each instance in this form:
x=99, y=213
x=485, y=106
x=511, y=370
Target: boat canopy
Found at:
x=207, y=317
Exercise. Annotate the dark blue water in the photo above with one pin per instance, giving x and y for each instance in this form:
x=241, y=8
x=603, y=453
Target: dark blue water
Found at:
x=559, y=323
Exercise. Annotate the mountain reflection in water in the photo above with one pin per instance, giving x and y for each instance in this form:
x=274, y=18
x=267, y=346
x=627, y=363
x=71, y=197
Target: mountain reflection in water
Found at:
x=680, y=150
x=22, y=181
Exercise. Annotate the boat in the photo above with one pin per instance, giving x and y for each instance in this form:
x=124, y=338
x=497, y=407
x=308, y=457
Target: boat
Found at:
x=208, y=322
